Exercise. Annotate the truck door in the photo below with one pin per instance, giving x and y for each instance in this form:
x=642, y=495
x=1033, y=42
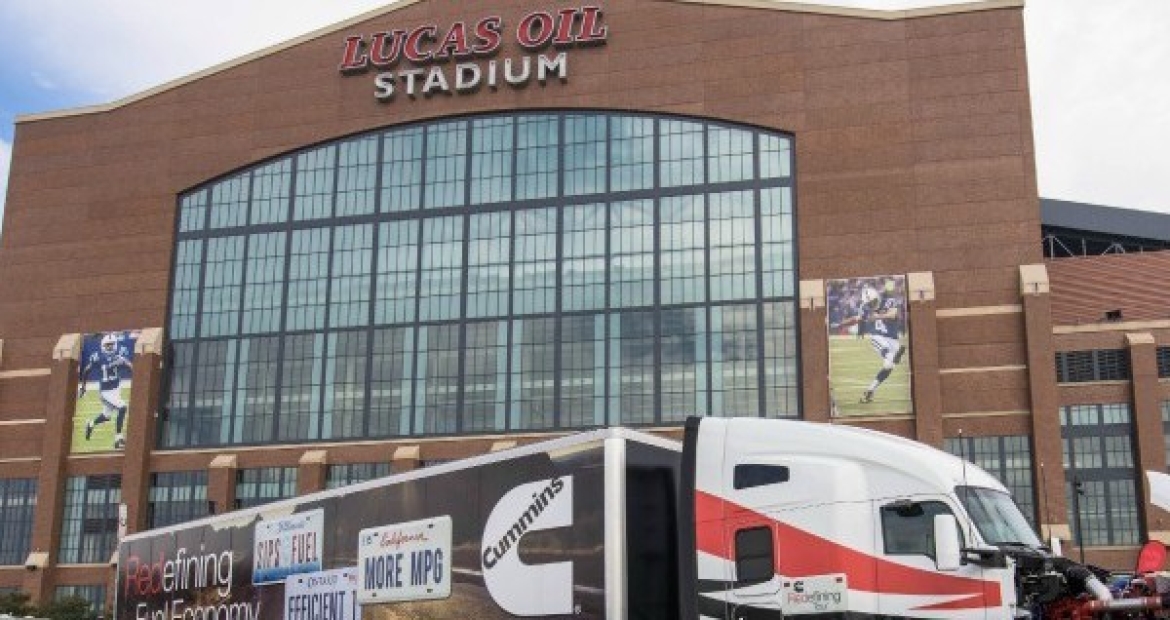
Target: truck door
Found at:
x=753, y=587
x=909, y=582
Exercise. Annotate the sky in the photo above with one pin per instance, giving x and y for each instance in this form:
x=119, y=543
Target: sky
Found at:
x=1097, y=69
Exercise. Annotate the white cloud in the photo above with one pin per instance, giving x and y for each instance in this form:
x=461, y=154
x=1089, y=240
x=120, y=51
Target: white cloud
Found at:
x=5, y=162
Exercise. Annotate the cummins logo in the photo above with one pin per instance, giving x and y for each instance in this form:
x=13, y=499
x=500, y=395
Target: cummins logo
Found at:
x=522, y=589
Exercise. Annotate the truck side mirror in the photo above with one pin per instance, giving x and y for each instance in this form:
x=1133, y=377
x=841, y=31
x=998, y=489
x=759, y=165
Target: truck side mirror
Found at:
x=946, y=543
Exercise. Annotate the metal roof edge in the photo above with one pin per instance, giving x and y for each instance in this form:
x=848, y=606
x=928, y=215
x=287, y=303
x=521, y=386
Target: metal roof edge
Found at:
x=968, y=7
x=879, y=14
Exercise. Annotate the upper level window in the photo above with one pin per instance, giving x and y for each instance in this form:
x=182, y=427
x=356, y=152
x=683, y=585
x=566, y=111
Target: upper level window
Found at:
x=1095, y=365
x=531, y=270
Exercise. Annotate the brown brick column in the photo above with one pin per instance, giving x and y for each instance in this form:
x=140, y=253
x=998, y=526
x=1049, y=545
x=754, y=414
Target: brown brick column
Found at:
x=406, y=458
x=1047, y=450
x=925, y=382
x=140, y=427
x=221, y=483
x=312, y=470
x=1147, y=417
x=61, y=398
x=814, y=352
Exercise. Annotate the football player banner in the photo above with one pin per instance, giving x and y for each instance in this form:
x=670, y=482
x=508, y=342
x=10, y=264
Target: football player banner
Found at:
x=103, y=391
x=869, y=346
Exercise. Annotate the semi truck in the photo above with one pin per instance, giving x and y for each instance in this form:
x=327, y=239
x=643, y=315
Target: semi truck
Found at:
x=745, y=519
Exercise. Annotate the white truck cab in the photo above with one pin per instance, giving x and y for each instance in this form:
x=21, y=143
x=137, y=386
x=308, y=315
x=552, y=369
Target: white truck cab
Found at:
x=797, y=518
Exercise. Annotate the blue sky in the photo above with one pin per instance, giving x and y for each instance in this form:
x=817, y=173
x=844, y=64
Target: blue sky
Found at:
x=1098, y=72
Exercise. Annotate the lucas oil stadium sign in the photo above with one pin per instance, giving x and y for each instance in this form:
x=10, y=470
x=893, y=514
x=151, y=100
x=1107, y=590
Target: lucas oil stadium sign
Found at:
x=462, y=58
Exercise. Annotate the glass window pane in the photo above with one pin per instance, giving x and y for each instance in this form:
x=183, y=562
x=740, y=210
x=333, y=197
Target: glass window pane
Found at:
x=680, y=146
x=224, y=266
x=485, y=377
x=775, y=157
x=264, y=282
x=397, y=279
x=734, y=366
x=18, y=497
x=1098, y=457
x=446, y=164
x=534, y=281
x=392, y=382
x=537, y=146
x=631, y=345
x=187, y=283
x=583, y=366
x=402, y=153
x=778, y=255
x=733, y=245
x=315, y=189
x=684, y=364
x=631, y=153
x=300, y=396
x=585, y=155
x=270, y=190
x=256, y=377
x=488, y=256
x=229, y=201
x=441, y=284
x=730, y=154
x=631, y=263
x=308, y=279
x=584, y=263
x=357, y=175
x=533, y=374
x=437, y=391
x=211, y=393
x=345, y=386
x=684, y=247
x=491, y=160
x=349, y=284
x=193, y=211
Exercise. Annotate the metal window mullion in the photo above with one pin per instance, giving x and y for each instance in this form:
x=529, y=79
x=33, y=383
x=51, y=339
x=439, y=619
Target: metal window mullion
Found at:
x=708, y=337
x=510, y=318
x=461, y=366
x=607, y=204
x=656, y=305
x=326, y=332
x=558, y=315
x=419, y=236
x=761, y=326
x=606, y=313
x=514, y=166
x=333, y=233
x=657, y=275
x=371, y=314
x=278, y=383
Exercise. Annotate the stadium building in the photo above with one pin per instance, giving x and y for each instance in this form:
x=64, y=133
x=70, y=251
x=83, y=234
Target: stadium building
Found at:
x=445, y=228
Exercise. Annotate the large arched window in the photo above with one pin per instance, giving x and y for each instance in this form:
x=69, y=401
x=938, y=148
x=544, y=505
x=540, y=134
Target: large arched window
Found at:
x=504, y=272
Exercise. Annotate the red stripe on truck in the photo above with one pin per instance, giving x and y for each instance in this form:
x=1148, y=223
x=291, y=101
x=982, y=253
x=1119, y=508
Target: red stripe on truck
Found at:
x=802, y=554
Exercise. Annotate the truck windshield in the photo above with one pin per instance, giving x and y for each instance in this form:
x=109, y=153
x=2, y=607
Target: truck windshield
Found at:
x=997, y=517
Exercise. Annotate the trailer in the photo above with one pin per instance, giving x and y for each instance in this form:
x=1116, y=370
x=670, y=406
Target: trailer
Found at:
x=745, y=519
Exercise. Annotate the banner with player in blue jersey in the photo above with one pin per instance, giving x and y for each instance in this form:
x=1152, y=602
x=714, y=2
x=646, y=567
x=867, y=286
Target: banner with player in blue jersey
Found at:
x=869, y=346
x=103, y=391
